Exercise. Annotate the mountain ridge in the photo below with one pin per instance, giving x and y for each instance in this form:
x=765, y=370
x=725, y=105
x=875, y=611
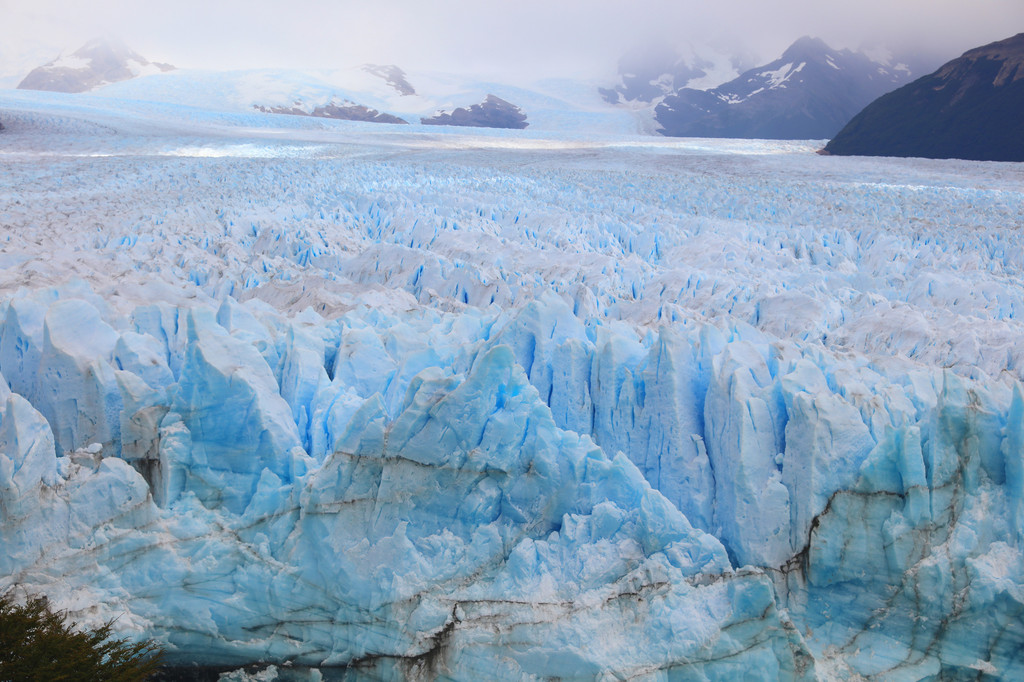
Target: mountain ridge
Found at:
x=649, y=73
x=493, y=112
x=970, y=108
x=809, y=92
x=99, y=62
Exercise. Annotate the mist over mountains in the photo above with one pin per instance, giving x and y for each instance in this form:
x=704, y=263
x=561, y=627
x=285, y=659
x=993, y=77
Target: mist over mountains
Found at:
x=809, y=92
x=99, y=62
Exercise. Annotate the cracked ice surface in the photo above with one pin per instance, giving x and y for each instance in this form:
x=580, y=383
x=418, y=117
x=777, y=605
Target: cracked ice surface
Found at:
x=505, y=405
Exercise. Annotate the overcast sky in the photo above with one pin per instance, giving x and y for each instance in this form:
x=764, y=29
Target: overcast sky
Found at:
x=506, y=38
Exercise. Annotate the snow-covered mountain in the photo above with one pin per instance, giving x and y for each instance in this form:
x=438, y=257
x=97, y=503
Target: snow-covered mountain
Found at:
x=971, y=108
x=550, y=105
x=648, y=73
x=393, y=76
x=810, y=92
x=378, y=93
x=95, y=64
x=346, y=110
x=492, y=112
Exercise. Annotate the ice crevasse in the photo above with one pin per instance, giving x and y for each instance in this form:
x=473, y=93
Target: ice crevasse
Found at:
x=507, y=494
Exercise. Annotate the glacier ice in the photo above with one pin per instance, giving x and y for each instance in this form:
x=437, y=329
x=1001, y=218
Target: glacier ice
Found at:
x=431, y=405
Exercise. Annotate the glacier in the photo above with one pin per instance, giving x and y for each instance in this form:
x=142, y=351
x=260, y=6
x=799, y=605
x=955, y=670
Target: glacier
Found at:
x=510, y=405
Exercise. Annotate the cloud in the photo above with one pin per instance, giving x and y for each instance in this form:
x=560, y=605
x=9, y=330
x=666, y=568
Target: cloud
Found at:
x=522, y=38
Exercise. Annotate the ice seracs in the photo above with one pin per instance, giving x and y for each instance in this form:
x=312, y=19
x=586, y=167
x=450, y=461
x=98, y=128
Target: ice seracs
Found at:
x=400, y=550
x=331, y=396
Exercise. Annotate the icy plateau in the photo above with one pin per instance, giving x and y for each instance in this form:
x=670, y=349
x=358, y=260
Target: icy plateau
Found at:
x=512, y=405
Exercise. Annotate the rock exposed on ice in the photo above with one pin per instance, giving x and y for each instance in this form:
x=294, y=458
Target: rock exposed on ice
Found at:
x=493, y=112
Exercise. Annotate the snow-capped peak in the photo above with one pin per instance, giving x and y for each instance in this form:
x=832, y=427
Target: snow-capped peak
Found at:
x=811, y=91
x=648, y=74
x=779, y=76
x=99, y=62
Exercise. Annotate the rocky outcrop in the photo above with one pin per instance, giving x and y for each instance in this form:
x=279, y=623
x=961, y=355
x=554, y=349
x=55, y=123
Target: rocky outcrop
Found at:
x=341, y=112
x=493, y=112
x=394, y=76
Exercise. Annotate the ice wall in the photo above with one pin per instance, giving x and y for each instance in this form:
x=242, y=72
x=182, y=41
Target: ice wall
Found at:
x=453, y=530
x=438, y=511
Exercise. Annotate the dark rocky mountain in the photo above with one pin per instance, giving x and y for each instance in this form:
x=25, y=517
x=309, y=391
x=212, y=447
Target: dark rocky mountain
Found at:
x=394, y=77
x=342, y=112
x=971, y=108
x=493, y=112
x=96, y=63
x=808, y=93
